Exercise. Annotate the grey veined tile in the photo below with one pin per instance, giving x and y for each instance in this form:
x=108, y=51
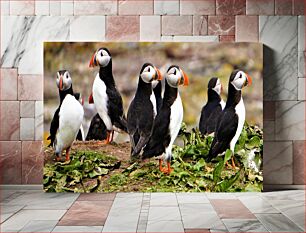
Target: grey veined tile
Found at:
x=199, y=198
x=290, y=119
x=278, y=163
x=42, y=200
x=294, y=210
x=165, y=226
x=202, y=217
x=242, y=225
x=290, y=195
x=75, y=229
x=301, y=46
x=168, y=213
x=39, y=226
x=279, y=34
x=258, y=205
x=23, y=217
x=23, y=38
x=278, y=223
x=8, y=210
x=163, y=199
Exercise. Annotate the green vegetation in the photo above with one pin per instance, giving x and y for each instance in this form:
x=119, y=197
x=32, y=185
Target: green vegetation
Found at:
x=95, y=172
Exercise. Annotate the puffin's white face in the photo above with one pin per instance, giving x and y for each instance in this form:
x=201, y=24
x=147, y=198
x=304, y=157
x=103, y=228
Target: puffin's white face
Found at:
x=101, y=58
x=176, y=77
x=149, y=74
x=241, y=80
x=63, y=80
x=218, y=87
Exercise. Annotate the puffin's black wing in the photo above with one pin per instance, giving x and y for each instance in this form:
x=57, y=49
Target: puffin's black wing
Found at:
x=132, y=121
x=225, y=131
x=213, y=119
x=97, y=129
x=79, y=136
x=203, y=120
x=115, y=109
x=158, y=96
x=209, y=117
x=54, y=126
x=140, y=122
x=160, y=138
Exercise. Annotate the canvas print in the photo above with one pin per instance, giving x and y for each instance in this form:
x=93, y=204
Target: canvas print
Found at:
x=153, y=117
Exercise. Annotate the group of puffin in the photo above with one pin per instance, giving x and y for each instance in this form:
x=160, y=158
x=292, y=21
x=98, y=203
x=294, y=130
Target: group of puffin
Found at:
x=155, y=114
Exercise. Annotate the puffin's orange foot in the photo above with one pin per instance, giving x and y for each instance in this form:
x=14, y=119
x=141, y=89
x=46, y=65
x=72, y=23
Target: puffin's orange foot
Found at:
x=58, y=159
x=164, y=170
x=105, y=142
x=168, y=171
x=108, y=138
x=67, y=154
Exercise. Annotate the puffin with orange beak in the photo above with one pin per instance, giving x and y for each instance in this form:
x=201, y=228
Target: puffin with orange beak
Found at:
x=232, y=118
x=142, y=110
x=68, y=117
x=105, y=96
x=169, y=119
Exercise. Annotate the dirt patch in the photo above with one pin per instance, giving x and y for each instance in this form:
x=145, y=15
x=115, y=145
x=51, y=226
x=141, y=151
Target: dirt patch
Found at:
x=120, y=151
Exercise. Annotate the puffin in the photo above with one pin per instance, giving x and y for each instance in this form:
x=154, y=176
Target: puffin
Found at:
x=97, y=129
x=232, y=118
x=157, y=89
x=168, y=121
x=214, y=106
x=68, y=117
x=81, y=134
x=105, y=96
x=142, y=110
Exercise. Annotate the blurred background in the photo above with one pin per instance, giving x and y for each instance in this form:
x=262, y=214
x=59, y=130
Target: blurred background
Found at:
x=200, y=61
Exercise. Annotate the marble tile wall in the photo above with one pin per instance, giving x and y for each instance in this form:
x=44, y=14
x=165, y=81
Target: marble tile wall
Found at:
x=278, y=24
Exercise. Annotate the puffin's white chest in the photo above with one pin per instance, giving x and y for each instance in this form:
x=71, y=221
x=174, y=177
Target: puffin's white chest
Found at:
x=153, y=101
x=176, y=117
x=222, y=103
x=101, y=101
x=240, y=111
x=70, y=119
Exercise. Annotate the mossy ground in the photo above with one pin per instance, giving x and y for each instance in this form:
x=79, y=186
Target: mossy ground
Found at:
x=95, y=167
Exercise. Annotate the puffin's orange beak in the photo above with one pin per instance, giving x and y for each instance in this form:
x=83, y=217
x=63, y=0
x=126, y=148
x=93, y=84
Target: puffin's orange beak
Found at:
x=249, y=83
x=159, y=75
x=186, y=80
x=92, y=62
x=61, y=83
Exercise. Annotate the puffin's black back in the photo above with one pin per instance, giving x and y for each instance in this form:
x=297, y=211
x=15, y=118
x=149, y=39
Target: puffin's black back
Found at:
x=115, y=106
x=140, y=115
x=97, y=129
x=158, y=96
x=160, y=138
x=211, y=111
x=228, y=122
x=55, y=121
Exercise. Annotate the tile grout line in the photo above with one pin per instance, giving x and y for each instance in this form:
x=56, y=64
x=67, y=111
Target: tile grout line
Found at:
x=178, y=205
x=143, y=216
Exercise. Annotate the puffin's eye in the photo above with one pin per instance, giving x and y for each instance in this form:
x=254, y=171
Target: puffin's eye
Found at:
x=149, y=70
x=174, y=72
x=240, y=76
